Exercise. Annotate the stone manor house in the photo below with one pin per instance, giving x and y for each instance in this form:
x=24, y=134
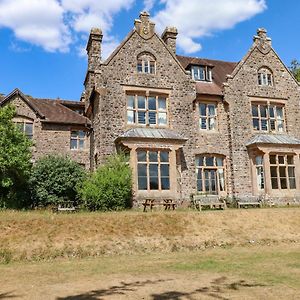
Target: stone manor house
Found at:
x=188, y=124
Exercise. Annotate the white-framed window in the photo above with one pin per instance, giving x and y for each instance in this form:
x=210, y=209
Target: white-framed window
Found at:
x=24, y=125
x=210, y=171
x=282, y=170
x=259, y=166
x=201, y=73
x=146, y=63
x=207, y=116
x=268, y=117
x=77, y=141
x=153, y=169
x=147, y=110
x=265, y=77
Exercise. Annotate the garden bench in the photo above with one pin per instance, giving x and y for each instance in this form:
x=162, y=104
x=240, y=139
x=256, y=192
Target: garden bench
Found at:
x=167, y=203
x=209, y=201
x=65, y=206
x=250, y=201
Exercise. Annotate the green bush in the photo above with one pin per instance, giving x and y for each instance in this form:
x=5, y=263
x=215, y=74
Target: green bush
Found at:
x=55, y=179
x=109, y=187
x=15, y=162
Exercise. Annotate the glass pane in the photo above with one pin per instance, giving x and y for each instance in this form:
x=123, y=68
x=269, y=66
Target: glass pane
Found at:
x=219, y=161
x=259, y=160
x=141, y=117
x=152, y=103
x=153, y=183
x=260, y=178
x=74, y=144
x=147, y=69
x=274, y=183
x=290, y=159
x=153, y=170
x=221, y=180
x=291, y=171
x=211, y=110
x=272, y=159
x=81, y=144
x=280, y=125
x=139, y=66
x=74, y=134
x=199, y=161
x=272, y=124
x=202, y=73
x=254, y=111
x=162, y=104
x=202, y=109
x=209, y=161
x=255, y=124
x=152, y=67
x=164, y=156
x=283, y=183
x=282, y=172
x=164, y=170
x=152, y=118
x=292, y=183
x=199, y=181
x=142, y=170
x=211, y=123
x=264, y=125
x=162, y=118
x=271, y=111
x=281, y=159
x=130, y=117
x=273, y=171
x=142, y=183
x=263, y=111
x=279, y=112
x=165, y=183
x=81, y=134
x=141, y=155
x=203, y=123
x=141, y=102
x=153, y=156
x=130, y=102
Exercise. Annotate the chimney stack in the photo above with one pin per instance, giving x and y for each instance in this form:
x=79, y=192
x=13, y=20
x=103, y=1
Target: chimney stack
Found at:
x=93, y=49
x=169, y=37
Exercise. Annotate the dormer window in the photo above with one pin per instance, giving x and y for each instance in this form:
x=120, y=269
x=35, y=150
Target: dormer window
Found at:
x=265, y=77
x=146, y=63
x=202, y=73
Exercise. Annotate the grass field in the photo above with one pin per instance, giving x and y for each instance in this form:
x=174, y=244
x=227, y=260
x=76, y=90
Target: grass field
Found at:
x=233, y=254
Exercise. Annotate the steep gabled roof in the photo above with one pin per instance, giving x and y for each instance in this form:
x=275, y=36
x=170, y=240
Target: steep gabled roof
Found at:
x=220, y=70
x=50, y=110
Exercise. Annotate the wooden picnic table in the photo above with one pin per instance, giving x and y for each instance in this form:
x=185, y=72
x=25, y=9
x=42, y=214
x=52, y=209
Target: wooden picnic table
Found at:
x=167, y=203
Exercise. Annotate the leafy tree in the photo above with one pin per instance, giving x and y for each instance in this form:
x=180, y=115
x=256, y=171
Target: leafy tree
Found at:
x=54, y=179
x=295, y=69
x=109, y=187
x=15, y=162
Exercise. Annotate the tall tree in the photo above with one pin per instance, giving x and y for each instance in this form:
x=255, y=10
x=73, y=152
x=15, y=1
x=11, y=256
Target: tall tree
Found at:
x=15, y=162
x=295, y=69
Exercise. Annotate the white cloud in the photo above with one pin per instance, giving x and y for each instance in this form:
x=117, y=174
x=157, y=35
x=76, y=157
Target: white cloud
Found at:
x=197, y=18
x=148, y=5
x=39, y=22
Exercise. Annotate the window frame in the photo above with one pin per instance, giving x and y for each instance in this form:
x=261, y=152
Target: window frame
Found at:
x=206, y=71
x=278, y=166
x=146, y=63
x=23, y=121
x=265, y=77
x=207, y=117
x=135, y=110
x=149, y=163
x=269, y=119
x=78, y=139
x=204, y=166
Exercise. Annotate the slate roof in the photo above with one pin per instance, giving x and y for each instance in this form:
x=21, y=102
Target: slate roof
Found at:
x=273, y=139
x=219, y=71
x=152, y=133
x=52, y=110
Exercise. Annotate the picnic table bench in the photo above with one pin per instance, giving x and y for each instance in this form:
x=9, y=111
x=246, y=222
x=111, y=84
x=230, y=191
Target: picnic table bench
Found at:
x=208, y=201
x=167, y=203
x=250, y=201
x=65, y=206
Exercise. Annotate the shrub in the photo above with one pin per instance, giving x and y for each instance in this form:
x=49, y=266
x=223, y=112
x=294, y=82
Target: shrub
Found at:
x=15, y=162
x=109, y=187
x=54, y=179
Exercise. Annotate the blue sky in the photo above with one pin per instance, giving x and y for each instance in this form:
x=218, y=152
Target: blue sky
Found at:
x=42, y=42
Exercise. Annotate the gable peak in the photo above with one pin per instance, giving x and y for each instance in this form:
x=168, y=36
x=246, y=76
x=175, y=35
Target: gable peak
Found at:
x=262, y=41
x=143, y=26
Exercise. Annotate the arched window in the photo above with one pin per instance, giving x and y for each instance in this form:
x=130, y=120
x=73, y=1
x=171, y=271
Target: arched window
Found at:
x=265, y=77
x=146, y=63
x=210, y=169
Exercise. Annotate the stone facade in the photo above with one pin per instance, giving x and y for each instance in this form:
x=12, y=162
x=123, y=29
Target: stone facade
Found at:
x=109, y=84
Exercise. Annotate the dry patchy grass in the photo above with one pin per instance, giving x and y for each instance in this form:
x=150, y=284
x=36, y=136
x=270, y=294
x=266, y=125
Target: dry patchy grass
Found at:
x=37, y=236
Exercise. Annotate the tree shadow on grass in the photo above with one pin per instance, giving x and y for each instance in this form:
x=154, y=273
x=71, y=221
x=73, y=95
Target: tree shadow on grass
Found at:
x=8, y=295
x=113, y=290
x=215, y=290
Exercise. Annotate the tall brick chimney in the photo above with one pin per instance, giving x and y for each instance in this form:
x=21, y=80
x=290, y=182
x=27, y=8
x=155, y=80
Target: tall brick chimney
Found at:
x=93, y=49
x=169, y=37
